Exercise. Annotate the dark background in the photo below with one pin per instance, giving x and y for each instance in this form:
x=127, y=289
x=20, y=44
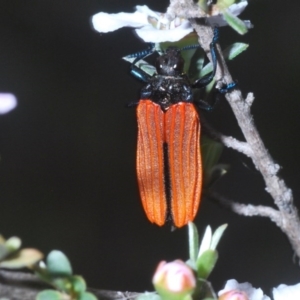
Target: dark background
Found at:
x=67, y=171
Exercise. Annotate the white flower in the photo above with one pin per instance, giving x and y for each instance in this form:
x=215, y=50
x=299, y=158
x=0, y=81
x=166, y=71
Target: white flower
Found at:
x=285, y=292
x=7, y=102
x=153, y=26
x=251, y=292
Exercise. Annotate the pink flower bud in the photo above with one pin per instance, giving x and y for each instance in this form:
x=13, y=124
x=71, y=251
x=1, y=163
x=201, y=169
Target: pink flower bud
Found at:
x=174, y=278
x=241, y=291
x=234, y=295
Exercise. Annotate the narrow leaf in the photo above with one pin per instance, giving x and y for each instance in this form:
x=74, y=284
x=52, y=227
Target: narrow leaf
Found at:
x=3, y=252
x=22, y=258
x=193, y=242
x=13, y=244
x=206, y=240
x=148, y=296
x=225, y=3
x=204, y=290
x=50, y=295
x=206, y=69
x=229, y=53
x=217, y=236
x=87, y=296
x=143, y=65
x=206, y=263
x=209, y=87
x=237, y=24
x=2, y=239
x=196, y=66
x=62, y=283
x=58, y=263
x=215, y=173
x=234, y=50
x=78, y=283
x=203, y=5
x=211, y=152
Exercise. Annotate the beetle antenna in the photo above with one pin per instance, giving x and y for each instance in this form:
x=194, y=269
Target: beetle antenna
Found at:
x=189, y=47
x=143, y=53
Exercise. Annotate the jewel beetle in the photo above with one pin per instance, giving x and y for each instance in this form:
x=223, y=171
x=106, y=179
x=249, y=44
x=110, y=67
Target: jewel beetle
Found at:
x=168, y=162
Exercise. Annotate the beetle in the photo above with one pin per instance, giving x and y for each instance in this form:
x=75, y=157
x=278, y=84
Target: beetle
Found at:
x=168, y=162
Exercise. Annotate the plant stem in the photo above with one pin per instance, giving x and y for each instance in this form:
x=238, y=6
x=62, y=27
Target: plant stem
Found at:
x=286, y=217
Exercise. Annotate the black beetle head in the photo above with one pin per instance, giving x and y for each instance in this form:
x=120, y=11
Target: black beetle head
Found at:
x=171, y=63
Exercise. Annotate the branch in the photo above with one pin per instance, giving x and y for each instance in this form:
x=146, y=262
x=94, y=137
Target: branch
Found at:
x=227, y=141
x=24, y=286
x=248, y=210
x=183, y=8
x=261, y=158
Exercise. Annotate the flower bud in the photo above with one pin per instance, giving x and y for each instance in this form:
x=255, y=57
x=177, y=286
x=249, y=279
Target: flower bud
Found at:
x=234, y=295
x=174, y=280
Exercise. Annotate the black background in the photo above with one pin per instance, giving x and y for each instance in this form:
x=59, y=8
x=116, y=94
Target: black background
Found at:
x=67, y=171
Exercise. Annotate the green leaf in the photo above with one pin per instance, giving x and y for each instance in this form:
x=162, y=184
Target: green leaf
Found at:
x=217, y=236
x=62, y=284
x=193, y=242
x=50, y=295
x=204, y=290
x=58, y=263
x=206, y=69
x=203, y=5
x=22, y=258
x=2, y=239
x=9, y=246
x=215, y=173
x=229, y=53
x=237, y=24
x=13, y=244
x=225, y=3
x=3, y=252
x=234, y=50
x=41, y=271
x=87, y=296
x=167, y=295
x=78, y=283
x=148, y=296
x=211, y=152
x=196, y=66
x=206, y=263
x=209, y=88
x=143, y=65
x=69, y=284
x=206, y=241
